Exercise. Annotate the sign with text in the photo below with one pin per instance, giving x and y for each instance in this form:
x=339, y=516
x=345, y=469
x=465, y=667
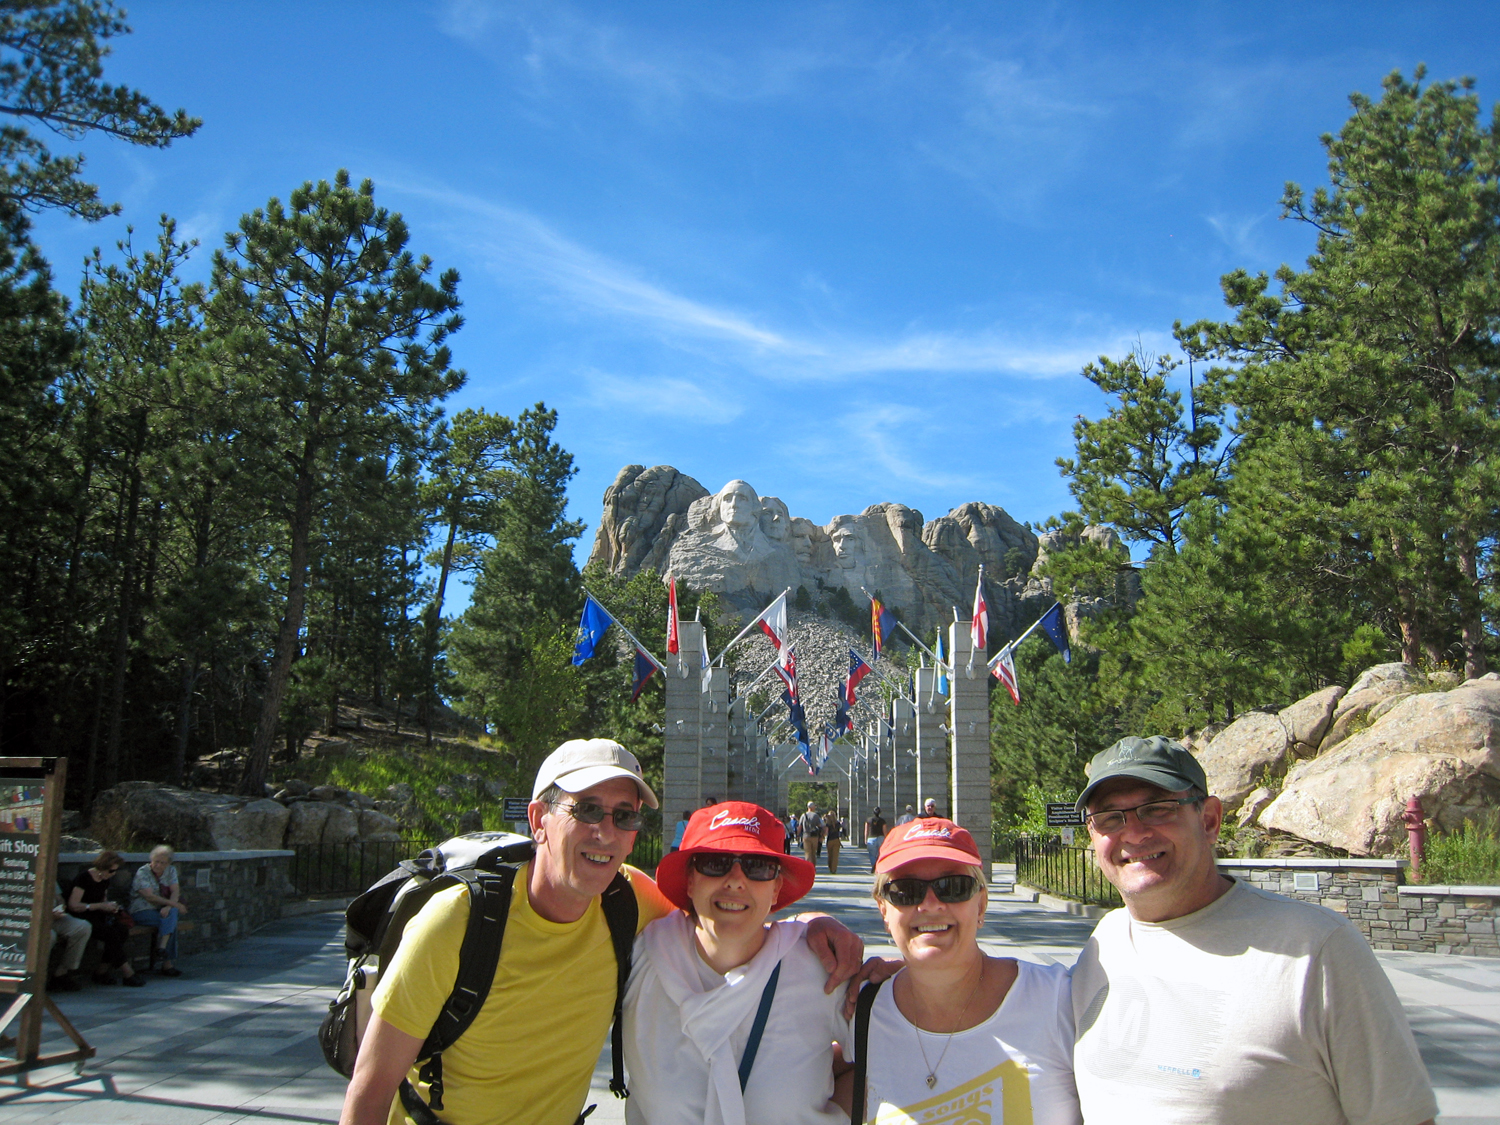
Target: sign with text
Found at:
x=513, y=808
x=1062, y=814
x=20, y=847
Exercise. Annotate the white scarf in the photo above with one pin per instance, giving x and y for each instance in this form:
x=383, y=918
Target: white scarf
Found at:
x=710, y=1018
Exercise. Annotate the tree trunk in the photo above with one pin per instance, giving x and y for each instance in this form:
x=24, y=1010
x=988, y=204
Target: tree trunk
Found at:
x=191, y=661
x=254, y=781
x=126, y=613
x=1470, y=604
x=431, y=624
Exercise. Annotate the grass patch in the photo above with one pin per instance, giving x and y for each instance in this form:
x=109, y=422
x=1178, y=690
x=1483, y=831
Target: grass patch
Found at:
x=1469, y=856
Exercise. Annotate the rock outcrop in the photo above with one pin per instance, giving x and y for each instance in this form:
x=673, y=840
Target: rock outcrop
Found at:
x=1440, y=746
x=748, y=548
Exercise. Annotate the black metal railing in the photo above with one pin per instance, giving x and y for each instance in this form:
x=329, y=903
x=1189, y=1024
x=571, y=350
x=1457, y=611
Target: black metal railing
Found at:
x=647, y=851
x=348, y=868
x=1065, y=870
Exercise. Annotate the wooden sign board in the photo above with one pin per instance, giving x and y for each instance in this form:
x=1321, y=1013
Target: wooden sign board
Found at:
x=31, y=802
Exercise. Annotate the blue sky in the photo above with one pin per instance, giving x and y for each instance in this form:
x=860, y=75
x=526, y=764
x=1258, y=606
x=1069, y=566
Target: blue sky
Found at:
x=848, y=252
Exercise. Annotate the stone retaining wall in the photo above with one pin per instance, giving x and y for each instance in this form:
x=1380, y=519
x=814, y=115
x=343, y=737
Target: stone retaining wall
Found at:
x=1373, y=894
x=227, y=894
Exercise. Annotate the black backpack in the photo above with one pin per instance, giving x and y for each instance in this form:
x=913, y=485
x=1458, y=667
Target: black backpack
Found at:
x=485, y=862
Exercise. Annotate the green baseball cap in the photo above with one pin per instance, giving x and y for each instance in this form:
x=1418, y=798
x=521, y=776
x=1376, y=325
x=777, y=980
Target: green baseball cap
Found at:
x=1156, y=761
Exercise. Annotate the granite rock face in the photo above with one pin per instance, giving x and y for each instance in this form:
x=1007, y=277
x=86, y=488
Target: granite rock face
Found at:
x=748, y=548
x=1440, y=746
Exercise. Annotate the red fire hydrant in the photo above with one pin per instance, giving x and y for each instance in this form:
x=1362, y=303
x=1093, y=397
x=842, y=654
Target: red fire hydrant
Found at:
x=1416, y=833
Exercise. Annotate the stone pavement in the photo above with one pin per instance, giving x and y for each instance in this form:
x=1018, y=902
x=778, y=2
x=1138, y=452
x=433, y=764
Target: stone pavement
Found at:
x=234, y=1039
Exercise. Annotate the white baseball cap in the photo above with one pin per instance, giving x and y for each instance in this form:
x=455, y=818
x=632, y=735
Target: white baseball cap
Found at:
x=581, y=762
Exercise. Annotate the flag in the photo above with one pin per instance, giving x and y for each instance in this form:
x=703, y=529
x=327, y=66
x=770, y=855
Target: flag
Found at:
x=1056, y=628
x=843, y=723
x=858, y=670
x=674, y=644
x=979, y=628
x=706, y=673
x=940, y=680
x=882, y=621
x=595, y=620
x=786, y=668
x=772, y=622
x=645, y=668
x=1005, y=671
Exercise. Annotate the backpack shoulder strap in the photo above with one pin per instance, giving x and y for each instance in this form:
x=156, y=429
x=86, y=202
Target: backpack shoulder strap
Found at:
x=489, y=907
x=622, y=914
x=861, y=1049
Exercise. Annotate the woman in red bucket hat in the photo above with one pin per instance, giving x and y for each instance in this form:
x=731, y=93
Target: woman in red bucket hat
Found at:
x=726, y=1020
x=956, y=1023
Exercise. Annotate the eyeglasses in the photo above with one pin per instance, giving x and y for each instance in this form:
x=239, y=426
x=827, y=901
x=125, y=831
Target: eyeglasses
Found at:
x=913, y=892
x=1152, y=812
x=586, y=812
x=757, y=868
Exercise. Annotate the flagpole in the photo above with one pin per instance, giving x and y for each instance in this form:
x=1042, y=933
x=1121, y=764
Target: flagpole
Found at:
x=660, y=667
x=936, y=659
x=978, y=593
x=1011, y=646
x=759, y=617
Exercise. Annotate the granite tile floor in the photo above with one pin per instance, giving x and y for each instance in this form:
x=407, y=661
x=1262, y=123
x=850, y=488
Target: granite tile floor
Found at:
x=234, y=1040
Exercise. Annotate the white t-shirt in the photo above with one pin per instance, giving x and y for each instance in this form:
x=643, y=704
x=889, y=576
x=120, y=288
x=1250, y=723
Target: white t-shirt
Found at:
x=676, y=1006
x=1016, y=1068
x=1255, y=1010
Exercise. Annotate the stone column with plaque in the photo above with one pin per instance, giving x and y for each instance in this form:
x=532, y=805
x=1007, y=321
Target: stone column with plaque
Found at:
x=681, y=720
x=969, y=725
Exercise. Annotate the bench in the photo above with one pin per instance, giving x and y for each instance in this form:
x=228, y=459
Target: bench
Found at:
x=140, y=946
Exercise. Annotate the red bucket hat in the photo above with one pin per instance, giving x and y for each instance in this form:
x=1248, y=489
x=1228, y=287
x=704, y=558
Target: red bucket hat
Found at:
x=932, y=837
x=739, y=828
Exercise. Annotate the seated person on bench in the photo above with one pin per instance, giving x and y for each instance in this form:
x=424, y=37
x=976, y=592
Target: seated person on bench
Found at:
x=156, y=902
x=88, y=897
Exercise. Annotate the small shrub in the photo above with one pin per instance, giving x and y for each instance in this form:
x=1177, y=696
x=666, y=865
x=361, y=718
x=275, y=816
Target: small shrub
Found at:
x=1468, y=856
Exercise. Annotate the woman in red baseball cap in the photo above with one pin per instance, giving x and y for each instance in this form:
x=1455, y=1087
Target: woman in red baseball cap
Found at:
x=726, y=1020
x=955, y=1021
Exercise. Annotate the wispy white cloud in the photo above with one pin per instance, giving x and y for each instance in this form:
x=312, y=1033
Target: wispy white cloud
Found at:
x=520, y=248
x=1237, y=232
x=685, y=400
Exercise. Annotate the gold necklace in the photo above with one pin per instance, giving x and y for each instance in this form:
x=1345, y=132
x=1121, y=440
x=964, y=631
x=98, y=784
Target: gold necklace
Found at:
x=932, y=1068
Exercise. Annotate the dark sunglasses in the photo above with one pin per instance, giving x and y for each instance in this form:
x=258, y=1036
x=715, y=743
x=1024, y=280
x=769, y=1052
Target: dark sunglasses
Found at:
x=586, y=812
x=913, y=892
x=757, y=868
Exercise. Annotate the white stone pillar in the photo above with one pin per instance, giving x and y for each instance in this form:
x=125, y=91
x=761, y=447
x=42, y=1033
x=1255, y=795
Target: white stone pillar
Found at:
x=932, y=744
x=969, y=723
x=681, y=720
x=713, y=734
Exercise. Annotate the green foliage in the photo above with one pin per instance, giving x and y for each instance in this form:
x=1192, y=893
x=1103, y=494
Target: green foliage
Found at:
x=1469, y=856
x=1063, y=720
x=51, y=63
x=803, y=600
x=822, y=794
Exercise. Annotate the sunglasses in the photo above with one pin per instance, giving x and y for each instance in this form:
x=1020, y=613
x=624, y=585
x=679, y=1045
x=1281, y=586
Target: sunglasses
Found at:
x=913, y=892
x=757, y=868
x=586, y=812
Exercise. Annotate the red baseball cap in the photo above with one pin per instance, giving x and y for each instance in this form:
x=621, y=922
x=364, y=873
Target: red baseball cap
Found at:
x=738, y=828
x=931, y=837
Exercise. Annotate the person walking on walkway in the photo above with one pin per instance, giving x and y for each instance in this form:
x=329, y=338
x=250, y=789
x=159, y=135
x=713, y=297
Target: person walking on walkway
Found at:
x=875, y=830
x=811, y=825
x=906, y=817
x=833, y=835
x=1208, y=999
x=726, y=1017
x=978, y=1023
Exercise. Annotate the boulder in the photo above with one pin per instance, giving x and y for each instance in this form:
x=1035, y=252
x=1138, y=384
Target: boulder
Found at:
x=1241, y=756
x=1443, y=747
x=328, y=793
x=361, y=800
x=142, y=814
x=295, y=787
x=86, y=844
x=1307, y=720
x=305, y=823
x=1254, y=804
x=470, y=821
x=400, y=791
x=375, y=825
x=1353, y=711
x=256, y=826
x=341, y=827
x=1403, y=676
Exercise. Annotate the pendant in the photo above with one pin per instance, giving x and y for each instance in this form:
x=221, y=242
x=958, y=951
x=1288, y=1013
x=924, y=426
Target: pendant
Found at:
x=931, y=1081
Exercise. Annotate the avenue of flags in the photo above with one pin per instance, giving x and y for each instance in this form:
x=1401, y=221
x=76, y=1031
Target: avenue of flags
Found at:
x=772, y=622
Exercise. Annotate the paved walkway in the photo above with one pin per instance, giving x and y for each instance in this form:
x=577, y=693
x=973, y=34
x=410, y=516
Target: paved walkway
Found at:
x=234, y=1039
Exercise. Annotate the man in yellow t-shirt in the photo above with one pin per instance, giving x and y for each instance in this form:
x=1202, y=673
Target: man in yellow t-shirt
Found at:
x=529, y=1054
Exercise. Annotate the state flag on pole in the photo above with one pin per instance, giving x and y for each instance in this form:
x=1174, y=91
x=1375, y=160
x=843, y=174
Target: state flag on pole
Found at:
x=1005, y=671
x=706, y=673
x=674, y=645
x=591, y=627
x=979, y=627
x=882, y=621
x=940, y=680
x=1056, y=628
x=842, y=722
x=772, y=622
x=645, y=668
x=858, y=670
x=786, y=668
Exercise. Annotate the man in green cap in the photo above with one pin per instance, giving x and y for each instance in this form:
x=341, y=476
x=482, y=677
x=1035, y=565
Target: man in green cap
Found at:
x=1207, y=999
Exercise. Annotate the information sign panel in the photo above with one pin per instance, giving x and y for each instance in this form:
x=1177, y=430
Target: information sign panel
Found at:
x=21, y=801
x=1061, y=814
x=513, y=808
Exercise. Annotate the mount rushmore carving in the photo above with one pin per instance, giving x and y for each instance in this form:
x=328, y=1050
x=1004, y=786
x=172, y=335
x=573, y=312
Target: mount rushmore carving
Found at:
x=748, y=548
